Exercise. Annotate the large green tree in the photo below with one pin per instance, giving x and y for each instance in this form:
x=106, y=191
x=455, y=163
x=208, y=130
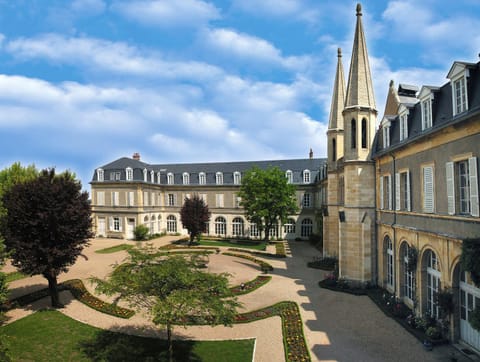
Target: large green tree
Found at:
x=47, y=225
x=194, y=215
x=267, y=198
x=172, y=289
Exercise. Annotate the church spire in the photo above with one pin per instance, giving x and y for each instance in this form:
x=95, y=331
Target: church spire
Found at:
x=338, y=98
x=360, y=88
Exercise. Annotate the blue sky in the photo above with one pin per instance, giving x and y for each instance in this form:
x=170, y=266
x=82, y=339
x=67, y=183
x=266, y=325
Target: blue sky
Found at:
x=84, y=82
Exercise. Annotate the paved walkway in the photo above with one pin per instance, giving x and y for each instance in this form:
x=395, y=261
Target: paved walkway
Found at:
x=338, y=327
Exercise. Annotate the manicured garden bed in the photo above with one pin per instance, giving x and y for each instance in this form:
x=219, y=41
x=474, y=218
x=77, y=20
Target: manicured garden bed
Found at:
x=114, y=249
x=279, y=251
x=251, y=285
x=49, y=336
x=264, y=266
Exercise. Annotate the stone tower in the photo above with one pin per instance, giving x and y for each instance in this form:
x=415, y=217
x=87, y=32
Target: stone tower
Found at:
x=335, y=157
x=355, y=173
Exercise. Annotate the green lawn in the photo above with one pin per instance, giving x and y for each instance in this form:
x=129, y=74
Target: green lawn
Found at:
x=114, y=249
x=51, y=336
x=16, y=275
x=238, y=244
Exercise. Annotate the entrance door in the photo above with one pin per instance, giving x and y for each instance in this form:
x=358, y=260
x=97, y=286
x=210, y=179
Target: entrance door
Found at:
x=130, y=228
x=469, y=299
x=101, y=226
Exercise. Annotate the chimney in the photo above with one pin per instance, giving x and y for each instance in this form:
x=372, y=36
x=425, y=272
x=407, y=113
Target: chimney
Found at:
x=310, y=154
x=136, y=156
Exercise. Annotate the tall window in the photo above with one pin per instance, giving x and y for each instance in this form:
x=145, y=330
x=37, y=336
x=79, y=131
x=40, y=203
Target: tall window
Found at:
x=171, y=199
x=115, y=198
x=116, y=224
x=220, y=226
x=433, y=284
x=115, y=176
x=219, y=200
x=237, y=178
x=364, y=133
x=237, y=226
x=289, y=176
x=408, y=276
x=158, y=178
x=254, y=230
x=334, y=149
x=129, y=173
x=145, y=175
x=426, y=114
x=462, y=187
x=152, y=176
x=186, y=178
x=202, y=178
x=100, y=198
x=386, y=136
x=390, y=263
x=306, y=176
x=306, y=200
x=289, y=227
x=145, y=198
x=460, y=96
x=402, y=191
x=386, y=192
x=170, y=178
x=171, y=224
x=129, y=195
x=100, y=175
x=428, y=189
x=403, y=126
x=354, y=134
x=307, y=228
x=219, y=178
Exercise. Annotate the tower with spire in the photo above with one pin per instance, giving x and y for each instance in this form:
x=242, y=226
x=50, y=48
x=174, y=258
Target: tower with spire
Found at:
x=349, y=225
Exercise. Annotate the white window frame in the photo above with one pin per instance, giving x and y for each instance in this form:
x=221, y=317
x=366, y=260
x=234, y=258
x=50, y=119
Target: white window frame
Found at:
x=171, y=224
x=202, y=178
x=219, y=200
x=386, y=135
x=460, y=98
x=390, y=263
x=170, y=178
x=427, y=115
x=117, y=224
x=220, y=226
x=186, y=178
x=409, y=278
x=115, y=198
x=306, y=201
x=171, y=199
x=100, y=175
x=403, y=126
x=289, y=176
x=238, y=227
x=402, y=191
x=152, y=177
x=145, y=198
x=219, y=178
x=130, y=197
x=129, y=174
x=100, y=198
x=306, y=176
x=158, y=177
x=237, y=178
x=433, y=284
x=289, y=226
x=470, y=187
x=306, y=228
x=254, y=232
x=145, y=175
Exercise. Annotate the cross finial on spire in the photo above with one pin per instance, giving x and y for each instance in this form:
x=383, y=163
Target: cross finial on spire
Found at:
x=339, y=52
x=359, y=9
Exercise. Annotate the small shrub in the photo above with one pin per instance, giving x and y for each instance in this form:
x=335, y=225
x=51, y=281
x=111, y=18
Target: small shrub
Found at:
x=141, y=232
x=433, y=332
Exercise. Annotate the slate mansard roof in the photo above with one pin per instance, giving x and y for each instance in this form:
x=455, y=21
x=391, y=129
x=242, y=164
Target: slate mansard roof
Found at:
x=442, y=111
x=297, y=166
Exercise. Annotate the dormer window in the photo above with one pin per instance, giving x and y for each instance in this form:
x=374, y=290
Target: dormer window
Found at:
x=186, y=178
x=386, y=134
x=129, y=173
x=145, y=175
x=426, y=114
x=403, y=126
x=100, y=175
x=202, y=178
x=458, y=76
x=460, y=96
x=158, y=177
x=152, y=176
x=219, y=178
x=237, y=178
x=170, y=178
x=306, y=176
x=289, y=176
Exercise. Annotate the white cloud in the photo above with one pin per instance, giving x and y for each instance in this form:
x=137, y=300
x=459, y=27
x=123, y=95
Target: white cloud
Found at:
x=88, y=7
x=104, y=55
x=168, y=13
x=279, y=8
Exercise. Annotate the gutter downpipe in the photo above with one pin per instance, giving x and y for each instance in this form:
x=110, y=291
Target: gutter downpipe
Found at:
x=394, y=223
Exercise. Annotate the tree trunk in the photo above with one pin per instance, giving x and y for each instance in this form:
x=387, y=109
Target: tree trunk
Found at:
x=191, y=239
x=170, y=342
x=267, y=233
x=53, y=290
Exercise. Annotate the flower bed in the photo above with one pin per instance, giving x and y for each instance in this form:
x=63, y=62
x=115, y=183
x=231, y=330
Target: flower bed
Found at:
x=251, y=285
x=264, y=266
x=78, y=290
x=177, y=247
x=260, y=253
x=292, y=327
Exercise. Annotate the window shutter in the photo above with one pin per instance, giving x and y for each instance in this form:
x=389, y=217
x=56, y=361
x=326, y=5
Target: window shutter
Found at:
x=449, y=168
x=381, y=193
x=175, y=199
x=120, y=223
x=474, y=207
x=409, y=201
x=397, y=191
x=110, y=223
x=390, y=196
x=428, y=200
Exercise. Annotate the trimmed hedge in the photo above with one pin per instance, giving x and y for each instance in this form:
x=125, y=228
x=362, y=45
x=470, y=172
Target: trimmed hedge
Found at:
x=251, y=285
x=264, y=266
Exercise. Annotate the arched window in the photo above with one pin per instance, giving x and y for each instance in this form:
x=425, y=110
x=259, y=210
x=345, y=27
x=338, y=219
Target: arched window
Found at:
x=145, y=175
x=307, y=228
x=433, y=283
x=220, y=226
x=158, y=177
x=145, y=220
x=289, y=176
x=237, y=226
x=219, y=178
x=159, y=223
x=171, y=224
x=334, y=149
x=254, y=230
x=129, y=173
x=408, y=274
x=237, y=178
x=354, y=134
x=389, y=261
x=289, y=227
x=170, y=178
x=364, y=133
x=306, y=176
x=186, y=178
x=202, y=178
